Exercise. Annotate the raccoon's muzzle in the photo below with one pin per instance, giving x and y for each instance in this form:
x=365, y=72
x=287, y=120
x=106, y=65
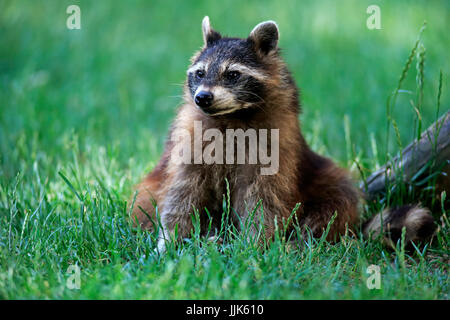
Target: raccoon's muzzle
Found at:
x=204, y=99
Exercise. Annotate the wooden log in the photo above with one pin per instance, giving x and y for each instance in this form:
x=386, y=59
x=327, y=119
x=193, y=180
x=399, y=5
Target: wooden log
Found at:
x=433, y=145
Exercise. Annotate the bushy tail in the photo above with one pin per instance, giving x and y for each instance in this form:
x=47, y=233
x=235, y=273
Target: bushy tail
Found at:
x=419, y=224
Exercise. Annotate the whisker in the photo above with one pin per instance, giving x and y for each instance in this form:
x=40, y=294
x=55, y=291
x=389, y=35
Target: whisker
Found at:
x=255, y=104
x=260, y=98
x=177, y=84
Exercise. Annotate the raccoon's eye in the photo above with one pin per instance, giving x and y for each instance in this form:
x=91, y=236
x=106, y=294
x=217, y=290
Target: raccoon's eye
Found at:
x=232, y=75
x=199, y=74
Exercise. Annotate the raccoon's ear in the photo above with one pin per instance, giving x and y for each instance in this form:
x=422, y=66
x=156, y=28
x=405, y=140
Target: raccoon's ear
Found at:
x=209, y=34
x=265, y=36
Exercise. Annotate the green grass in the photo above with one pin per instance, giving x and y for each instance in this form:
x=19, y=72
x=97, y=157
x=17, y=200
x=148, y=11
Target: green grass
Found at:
x=84, y=115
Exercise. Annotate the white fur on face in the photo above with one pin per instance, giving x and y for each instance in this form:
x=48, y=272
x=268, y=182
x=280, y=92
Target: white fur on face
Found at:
x=244, y=70
x=201, y=65
x=224, y=101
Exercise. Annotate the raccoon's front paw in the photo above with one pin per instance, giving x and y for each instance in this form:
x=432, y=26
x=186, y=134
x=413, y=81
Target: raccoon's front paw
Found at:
x=216, y=239
x=161, y=246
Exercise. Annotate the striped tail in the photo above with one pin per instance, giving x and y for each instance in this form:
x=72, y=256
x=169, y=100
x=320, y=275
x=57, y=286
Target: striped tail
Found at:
x=419, y=224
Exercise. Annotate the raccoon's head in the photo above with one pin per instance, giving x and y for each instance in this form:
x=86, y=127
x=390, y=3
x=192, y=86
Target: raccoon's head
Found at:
x=232, y=74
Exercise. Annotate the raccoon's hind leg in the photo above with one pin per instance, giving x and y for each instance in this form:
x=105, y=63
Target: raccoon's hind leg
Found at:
x=150, y=192
x=144, y=206
x=327, y=189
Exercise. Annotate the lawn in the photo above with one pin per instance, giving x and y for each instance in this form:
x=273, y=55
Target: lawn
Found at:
x=84, y=115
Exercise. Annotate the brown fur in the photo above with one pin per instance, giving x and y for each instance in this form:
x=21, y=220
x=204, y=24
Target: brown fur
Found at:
x=417, y=221
x=304, y=177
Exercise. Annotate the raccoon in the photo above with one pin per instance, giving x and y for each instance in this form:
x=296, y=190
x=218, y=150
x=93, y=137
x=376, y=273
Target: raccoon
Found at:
x=235, y=83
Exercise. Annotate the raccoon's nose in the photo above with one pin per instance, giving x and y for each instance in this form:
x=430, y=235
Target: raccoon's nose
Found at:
x=204, y=99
